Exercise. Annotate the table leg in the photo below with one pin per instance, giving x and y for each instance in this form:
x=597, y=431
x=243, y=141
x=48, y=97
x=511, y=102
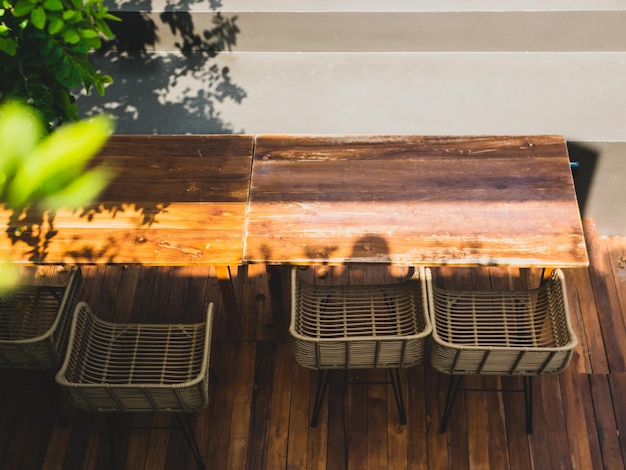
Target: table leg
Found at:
x=275, y=285
x=227, y=290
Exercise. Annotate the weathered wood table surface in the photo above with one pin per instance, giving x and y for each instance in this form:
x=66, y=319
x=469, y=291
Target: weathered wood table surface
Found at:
x=409, y=200
x=176, y=200
x=282, y=200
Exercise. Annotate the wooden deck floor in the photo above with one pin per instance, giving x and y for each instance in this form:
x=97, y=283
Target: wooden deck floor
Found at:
x=259, y=410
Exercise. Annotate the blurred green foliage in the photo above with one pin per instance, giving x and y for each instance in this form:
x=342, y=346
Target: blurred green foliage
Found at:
x=47, y=171
x=44, y=53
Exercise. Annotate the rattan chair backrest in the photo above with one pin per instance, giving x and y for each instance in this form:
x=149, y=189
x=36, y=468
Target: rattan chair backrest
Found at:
x=136, y=367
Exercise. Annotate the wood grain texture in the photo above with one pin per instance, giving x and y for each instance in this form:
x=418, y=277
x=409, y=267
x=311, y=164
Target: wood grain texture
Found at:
x=414, y=200
x=175, y=200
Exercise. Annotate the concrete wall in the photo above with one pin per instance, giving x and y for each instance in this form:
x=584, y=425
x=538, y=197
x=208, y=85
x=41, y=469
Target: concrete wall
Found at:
x=397, y=67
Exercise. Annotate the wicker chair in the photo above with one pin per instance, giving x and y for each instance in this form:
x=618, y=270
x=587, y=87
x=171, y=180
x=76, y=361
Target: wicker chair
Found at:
x=360, y=327
x=525, y=333
x=119, y=367
x=34, y=325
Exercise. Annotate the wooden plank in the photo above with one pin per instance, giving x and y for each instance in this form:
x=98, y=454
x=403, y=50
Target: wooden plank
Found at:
x=496, y=426
x=616, y=253
x=227, y=370
x=324, y=442
x=79, y=442
x=574, y=390
x=158, y=312
x=357, y=411
x=378, y=420
x=458, y=446
x=298, y=441
x=607, y=303
x=379, y=199
x=605, y=421
x=435, y=396
x=552, y=414
x=337, y=415
x=581, y=356
x=397, y=434
x=242, y=391
x=586, y=304
x=258, y=440
x=159, y=442
x=174, y=200
x=418, y=422
x=59, y=440
x=279, y=411
x=617, y=383
x=476, y=419
x=30, y=432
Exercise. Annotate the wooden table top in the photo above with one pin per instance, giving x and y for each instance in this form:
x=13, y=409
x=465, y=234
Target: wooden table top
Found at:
x=175, y=201
x=413, y=200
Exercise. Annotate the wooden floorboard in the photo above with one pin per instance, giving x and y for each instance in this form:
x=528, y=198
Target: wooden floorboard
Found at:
x=260, y=408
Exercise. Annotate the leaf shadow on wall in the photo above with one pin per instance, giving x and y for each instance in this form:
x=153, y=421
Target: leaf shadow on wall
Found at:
x=157, y=92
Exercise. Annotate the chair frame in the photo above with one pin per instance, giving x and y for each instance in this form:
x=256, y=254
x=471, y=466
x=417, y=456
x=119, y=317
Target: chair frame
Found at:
x=524, y=333
x=38, y=341
x=373, y=340
x=144, y=389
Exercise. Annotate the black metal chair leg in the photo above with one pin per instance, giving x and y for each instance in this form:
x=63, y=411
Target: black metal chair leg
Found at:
x=396, y=384
x=453, y=389
x=319, y=396
x=528, y=402
x=185, y=425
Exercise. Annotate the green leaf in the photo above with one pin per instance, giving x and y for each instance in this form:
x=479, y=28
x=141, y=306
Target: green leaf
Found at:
x=111, y=17
x=38, y=17
x=88, y=33
x=56, y=56
x=60, y=158
x=76, y=76
x=71, y=36
x=69, y=14
x=56, y=25
x=53, y=5
x=9, y=276
x=104, y=28
x=23, y=8
x=80, y=191
x=17, y=120
x=93, y=43
x=48, y=47
x=64, y=72
x=8, y=46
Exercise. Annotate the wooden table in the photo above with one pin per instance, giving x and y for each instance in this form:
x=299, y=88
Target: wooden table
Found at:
x=410, y=200
x=404, y=200
x=176, y=200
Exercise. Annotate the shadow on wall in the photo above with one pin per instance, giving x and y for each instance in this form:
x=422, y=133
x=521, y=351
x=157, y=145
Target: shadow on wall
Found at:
x=164, y=93
x=586, y=160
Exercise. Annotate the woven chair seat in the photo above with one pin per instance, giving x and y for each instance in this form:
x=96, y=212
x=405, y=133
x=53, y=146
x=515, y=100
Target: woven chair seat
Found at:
x=136, y=367
x=34, y=324
x=502, y=332
x=351, y=327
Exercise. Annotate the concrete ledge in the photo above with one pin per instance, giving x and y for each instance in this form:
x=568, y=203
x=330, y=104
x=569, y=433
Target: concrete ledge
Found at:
x=257, y=6
x=543, y=31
